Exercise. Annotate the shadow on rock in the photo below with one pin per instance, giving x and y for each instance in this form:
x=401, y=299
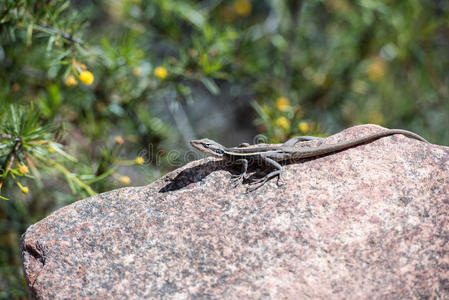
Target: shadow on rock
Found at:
x=194, y=174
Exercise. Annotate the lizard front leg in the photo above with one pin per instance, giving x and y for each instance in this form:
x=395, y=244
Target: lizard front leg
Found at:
x=237, y=179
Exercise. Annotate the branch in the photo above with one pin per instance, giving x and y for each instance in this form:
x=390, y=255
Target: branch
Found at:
x=71, y=176
x=64, y=34
x=10, y=162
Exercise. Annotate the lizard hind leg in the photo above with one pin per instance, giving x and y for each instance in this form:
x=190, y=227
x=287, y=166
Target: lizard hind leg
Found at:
x=276, y=173
x=258, y=183
x=294, y=140
x=243, y=145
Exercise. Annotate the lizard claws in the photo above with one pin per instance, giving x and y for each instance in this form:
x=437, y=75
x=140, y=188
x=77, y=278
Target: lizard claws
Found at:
x=236, y=180
x=280, y=179
x=261, y=181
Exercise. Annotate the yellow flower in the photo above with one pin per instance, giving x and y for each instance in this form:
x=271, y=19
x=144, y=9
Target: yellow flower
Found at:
x=160, y=72
x=282, y=104
x=242, y=7
x=376, y=69
x=125, y=180
x=25, y=190
x=139, y=160
x=283, y=123
x=23, y=169
x=70, y=81
x=136, y=71
x=119, y=140
x=51, y=149
x=86, y=77
x=303, y=126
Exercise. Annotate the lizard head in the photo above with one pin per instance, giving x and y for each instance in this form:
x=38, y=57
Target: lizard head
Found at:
x=209, y=147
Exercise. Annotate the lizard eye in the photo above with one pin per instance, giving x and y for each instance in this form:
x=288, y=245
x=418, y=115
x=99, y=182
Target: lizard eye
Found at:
x=215, y=149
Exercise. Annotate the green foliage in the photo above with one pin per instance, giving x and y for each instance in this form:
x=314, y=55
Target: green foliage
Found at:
x=101, y=75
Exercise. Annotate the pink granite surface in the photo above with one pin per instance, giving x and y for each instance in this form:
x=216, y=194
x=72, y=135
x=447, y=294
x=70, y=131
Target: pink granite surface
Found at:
x=369, y=222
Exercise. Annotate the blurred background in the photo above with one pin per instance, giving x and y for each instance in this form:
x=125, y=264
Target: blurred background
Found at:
x=96, y=95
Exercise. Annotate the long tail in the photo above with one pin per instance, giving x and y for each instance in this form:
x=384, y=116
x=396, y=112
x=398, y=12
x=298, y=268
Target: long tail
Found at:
x=325, y=149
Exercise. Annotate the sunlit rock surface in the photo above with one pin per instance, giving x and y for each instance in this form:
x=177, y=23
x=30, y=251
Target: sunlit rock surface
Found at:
x=368, y=222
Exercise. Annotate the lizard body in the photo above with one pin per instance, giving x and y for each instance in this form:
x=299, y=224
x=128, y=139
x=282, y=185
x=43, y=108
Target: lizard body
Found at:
x=274, y=154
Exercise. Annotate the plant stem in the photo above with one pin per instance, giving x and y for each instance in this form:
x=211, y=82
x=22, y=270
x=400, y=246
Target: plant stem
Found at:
x=81, y=184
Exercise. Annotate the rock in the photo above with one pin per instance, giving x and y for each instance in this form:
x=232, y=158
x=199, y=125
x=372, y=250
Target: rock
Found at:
x=368, y=222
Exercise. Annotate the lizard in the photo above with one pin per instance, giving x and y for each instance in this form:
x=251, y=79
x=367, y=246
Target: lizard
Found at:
x=273, y=155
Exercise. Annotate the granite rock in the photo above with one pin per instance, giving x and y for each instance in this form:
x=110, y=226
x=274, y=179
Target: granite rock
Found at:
x=368, y=222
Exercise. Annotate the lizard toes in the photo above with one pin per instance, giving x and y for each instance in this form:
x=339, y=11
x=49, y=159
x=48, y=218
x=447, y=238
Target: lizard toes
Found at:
x=280, y=181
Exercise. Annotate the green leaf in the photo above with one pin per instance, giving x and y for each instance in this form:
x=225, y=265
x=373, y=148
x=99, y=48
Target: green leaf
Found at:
x=61, y=8
x=58, y=149
x=102, y=176
x=210, y=85
x=50, y=43
x=29, y=34
x=55, y=96
x=68, y=178
x=185, y=10
x=14, y=120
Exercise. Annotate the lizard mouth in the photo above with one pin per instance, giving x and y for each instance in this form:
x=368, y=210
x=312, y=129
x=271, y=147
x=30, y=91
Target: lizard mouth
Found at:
x=195, y=144
x=199, y=146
